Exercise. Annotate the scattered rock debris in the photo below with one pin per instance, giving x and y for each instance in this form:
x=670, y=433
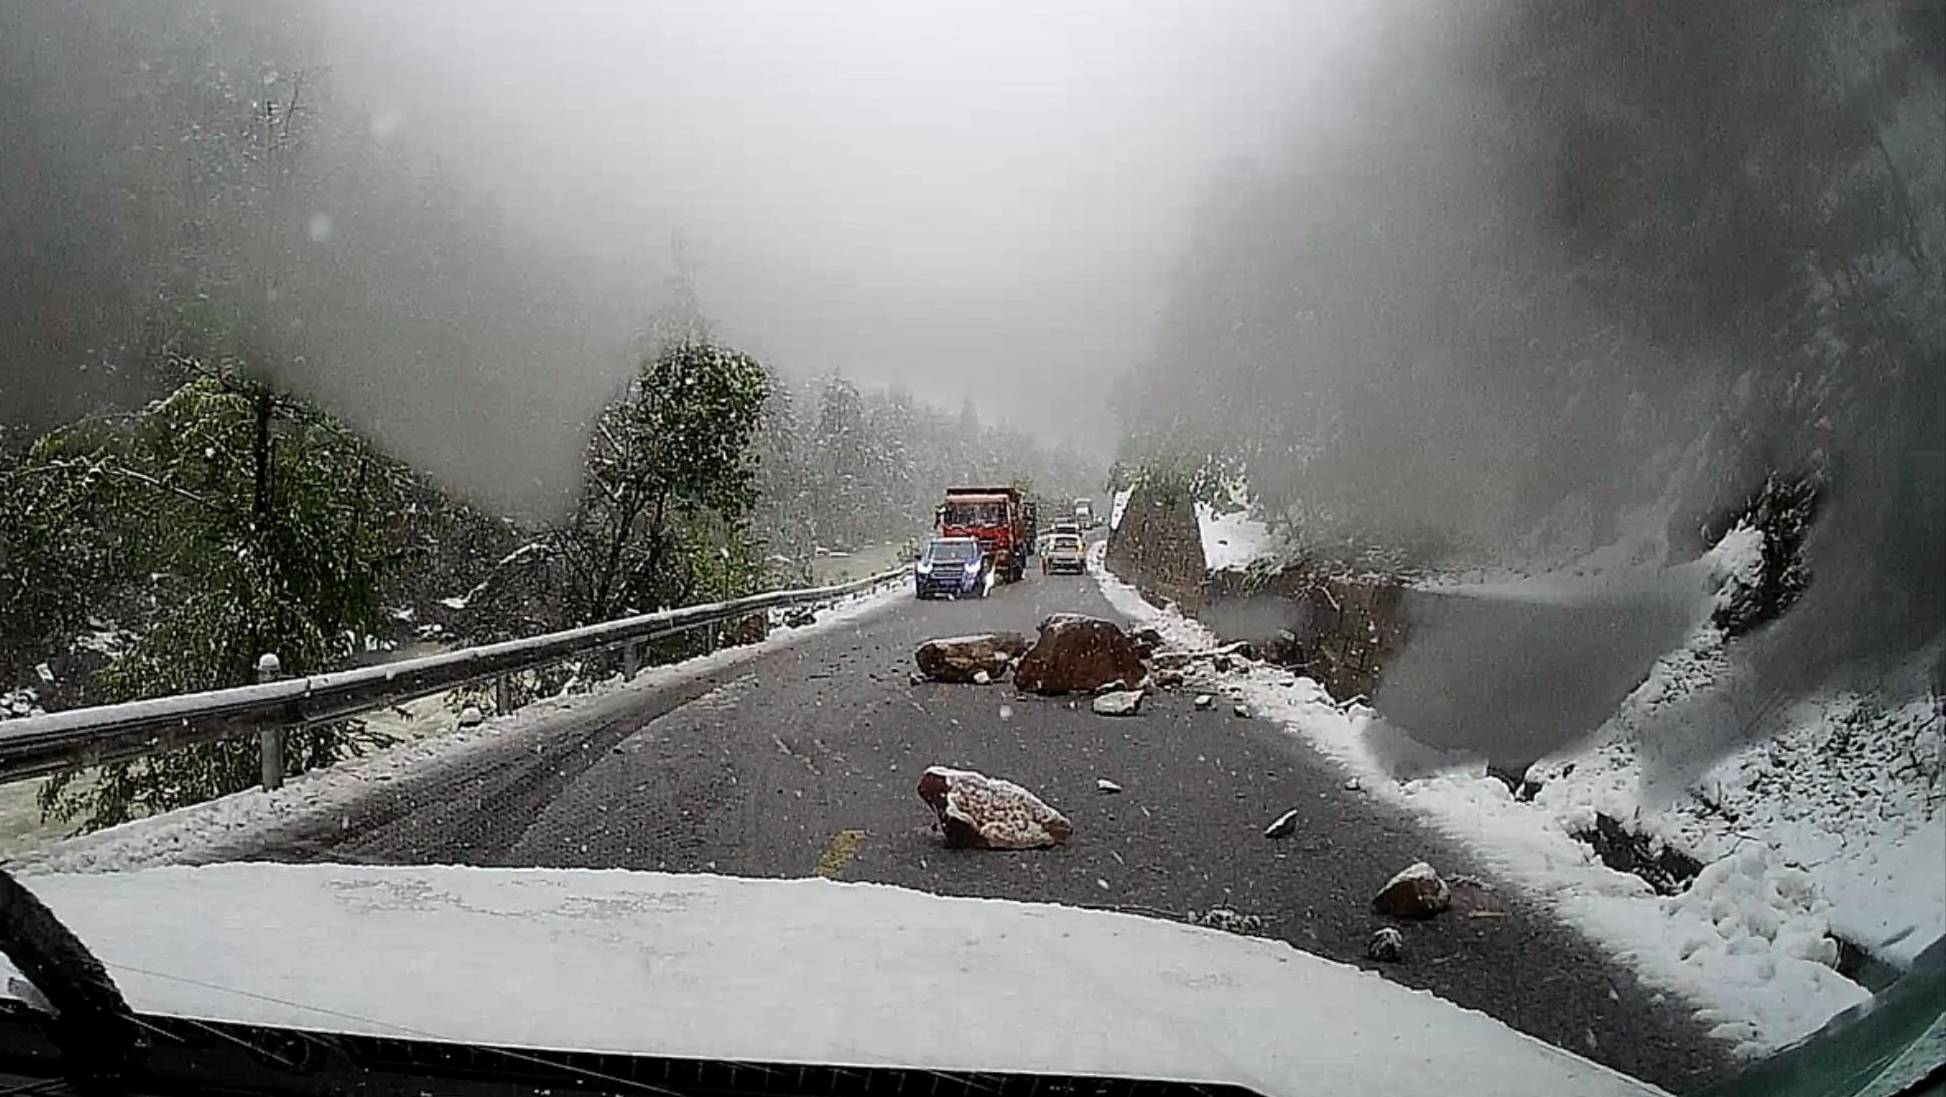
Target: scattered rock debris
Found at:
x=1387, y=945
x=1205, y=700
x=1104, y=785
x=1416, y=892
x=1120, y=703
x=471, y=717
x=1284, y=826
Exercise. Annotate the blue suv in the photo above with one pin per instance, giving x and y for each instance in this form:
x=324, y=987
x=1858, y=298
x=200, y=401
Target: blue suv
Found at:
x=952, y=566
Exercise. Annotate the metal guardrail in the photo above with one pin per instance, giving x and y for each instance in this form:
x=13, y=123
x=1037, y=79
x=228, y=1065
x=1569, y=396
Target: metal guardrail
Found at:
x=34, y=746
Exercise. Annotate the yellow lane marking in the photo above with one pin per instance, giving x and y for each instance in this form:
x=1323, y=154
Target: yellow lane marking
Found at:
x=839, y=852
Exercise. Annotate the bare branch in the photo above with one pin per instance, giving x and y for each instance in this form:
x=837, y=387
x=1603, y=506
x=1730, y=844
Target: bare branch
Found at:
x=102, y=466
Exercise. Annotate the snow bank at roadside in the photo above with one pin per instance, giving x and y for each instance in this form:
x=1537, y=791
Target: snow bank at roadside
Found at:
x=1794, y=850
x=203, y=832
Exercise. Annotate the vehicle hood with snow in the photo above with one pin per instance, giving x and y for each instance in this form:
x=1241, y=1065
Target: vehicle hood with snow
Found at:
x=781, y=972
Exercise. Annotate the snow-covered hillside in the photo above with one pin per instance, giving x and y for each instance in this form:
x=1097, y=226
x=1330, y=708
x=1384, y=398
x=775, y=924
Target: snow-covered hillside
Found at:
x=1234, y=539
x=1835, y=824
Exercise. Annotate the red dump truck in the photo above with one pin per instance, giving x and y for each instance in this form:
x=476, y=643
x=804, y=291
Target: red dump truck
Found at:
x=998, y=517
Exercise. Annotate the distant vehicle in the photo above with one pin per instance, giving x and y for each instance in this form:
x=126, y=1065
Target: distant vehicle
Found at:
x=1064, y=552
x=998, y=517
x=1072, y=529
x=1084, y=513
x=952, y=567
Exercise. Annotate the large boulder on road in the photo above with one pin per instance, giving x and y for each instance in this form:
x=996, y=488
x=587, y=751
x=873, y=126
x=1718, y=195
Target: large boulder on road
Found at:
x=1079, y=654
x=960, y=658
x=980, y=812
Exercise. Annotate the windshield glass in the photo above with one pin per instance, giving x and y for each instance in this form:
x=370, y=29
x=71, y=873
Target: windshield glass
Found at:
x=1184, y=500
x=951, y=551
x=976, y=515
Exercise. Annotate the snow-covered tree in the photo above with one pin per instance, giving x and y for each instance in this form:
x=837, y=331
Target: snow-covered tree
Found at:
x=675, y=449
x=246, y=522
x=846, y=460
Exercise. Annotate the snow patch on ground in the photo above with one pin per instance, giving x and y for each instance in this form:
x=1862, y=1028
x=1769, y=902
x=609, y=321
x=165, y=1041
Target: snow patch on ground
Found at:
x=197, y=834
x=1816, y=828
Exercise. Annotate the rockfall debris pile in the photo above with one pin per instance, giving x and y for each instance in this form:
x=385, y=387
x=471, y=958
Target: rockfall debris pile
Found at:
x=1071, y=653
x=1075, y=653
x=1116, y=671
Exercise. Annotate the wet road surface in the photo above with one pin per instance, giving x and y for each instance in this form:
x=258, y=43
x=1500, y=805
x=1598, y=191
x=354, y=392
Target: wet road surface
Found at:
x=804, y=760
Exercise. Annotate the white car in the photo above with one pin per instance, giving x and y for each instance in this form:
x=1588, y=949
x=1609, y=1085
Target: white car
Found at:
x=1064, y=552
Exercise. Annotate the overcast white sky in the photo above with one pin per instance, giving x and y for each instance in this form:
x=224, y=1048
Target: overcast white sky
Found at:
x=982, y=200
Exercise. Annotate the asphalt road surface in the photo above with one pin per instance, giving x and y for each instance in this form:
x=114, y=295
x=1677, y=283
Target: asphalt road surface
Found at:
x=804, y=760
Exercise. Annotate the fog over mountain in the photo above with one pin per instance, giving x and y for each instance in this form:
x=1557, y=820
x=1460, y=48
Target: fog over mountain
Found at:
x=475, y=212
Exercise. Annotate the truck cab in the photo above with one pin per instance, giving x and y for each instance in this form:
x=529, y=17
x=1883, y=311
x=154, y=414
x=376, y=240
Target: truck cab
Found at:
x=997, y=518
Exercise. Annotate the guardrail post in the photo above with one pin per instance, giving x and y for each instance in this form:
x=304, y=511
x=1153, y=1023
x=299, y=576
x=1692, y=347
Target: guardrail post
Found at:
x=503, y=695
x=631, y=660
x=270, y=741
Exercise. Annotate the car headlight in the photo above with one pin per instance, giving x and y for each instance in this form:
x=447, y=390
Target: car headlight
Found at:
x=924, y=567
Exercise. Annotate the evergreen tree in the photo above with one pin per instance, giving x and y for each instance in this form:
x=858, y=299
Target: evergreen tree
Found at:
x=247, y=521
x=674, y=450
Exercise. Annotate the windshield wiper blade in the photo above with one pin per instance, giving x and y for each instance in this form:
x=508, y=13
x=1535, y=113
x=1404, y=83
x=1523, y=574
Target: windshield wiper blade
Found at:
x=92, y=1024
